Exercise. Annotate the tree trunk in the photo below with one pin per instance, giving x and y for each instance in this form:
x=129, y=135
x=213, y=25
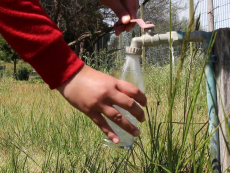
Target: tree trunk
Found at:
x=15, y=69
x=222, y=72
x=77, y=49
x=95, y=54
x=57, y=7
x=82, y=46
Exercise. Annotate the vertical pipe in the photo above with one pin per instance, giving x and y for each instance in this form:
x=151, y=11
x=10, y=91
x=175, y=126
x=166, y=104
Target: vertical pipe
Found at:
x=120, y=47
x=213, y=119
x=142, y=32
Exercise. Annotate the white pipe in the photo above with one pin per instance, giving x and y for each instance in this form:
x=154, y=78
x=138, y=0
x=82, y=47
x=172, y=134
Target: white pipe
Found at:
x=176, y=36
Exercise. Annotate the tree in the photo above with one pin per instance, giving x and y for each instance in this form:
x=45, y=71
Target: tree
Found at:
x=83, y=23
x=7, y=54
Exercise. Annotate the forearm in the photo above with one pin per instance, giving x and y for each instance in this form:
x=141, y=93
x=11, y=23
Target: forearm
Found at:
x=30, y=32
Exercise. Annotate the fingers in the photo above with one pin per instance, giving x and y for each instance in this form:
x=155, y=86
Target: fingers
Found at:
x=119, y=119
x=132, y=91
x=131, y=8
x=119, y=9
x=100, y=121
x=129, y=104
x=125, y=10
x=119, y=28
x=131, y=5
x=123, y=15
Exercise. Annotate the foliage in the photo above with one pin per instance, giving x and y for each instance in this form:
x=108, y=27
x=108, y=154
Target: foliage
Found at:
x=42, y=133
x=36, y=80
x=7, y=54
x=23, y=73
x=114, y=42
x=105, y=61
x=6, y=51
x=83, y=23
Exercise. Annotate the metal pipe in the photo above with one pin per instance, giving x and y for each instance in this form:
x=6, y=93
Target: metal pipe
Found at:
x=212, y=113
x=213, y=119
x=177, y=39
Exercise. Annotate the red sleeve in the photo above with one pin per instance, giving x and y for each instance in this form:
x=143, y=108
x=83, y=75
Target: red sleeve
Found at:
x=30, y=32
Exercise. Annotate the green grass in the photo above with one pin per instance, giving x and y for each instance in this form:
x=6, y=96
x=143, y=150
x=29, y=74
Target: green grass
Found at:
x=41, y=132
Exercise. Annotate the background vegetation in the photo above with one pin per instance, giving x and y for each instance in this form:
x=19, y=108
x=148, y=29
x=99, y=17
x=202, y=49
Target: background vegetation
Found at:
x=41, y=132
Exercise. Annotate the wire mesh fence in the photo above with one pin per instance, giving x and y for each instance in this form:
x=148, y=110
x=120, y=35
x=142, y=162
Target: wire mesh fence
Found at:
x=158, y=14
x=221, y=12
x=160, y=55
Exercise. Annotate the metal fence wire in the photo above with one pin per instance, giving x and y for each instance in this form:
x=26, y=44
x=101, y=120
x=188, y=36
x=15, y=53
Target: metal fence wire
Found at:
x=221, y=12
x=160, y=55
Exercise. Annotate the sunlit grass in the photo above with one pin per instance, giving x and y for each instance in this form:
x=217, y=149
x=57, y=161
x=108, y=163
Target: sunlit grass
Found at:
x=41, y=132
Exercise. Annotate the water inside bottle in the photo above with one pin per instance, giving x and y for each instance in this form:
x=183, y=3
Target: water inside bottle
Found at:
x=132, y=73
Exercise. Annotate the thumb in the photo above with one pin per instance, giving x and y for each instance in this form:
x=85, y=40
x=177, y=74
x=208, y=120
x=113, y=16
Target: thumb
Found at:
x=120, y=11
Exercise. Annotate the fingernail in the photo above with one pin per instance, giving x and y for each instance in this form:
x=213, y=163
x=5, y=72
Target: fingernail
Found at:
x=125, y=19
x=136, y=133
x=115, y=140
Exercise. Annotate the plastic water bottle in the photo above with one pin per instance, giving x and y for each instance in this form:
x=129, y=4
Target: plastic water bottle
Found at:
x=131, y=73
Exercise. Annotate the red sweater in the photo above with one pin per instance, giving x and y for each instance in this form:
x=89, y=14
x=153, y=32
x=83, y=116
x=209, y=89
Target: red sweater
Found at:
x=30, y=32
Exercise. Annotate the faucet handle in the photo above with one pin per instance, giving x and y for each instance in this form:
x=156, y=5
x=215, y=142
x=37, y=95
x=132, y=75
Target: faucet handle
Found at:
x=142, y=24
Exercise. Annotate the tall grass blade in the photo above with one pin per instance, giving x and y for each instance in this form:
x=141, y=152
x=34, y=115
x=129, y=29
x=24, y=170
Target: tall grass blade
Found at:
x=195, y=99
x=170, y=92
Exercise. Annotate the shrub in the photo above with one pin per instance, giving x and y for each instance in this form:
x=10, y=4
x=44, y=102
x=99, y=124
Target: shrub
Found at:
x=36, y=80
x=23, y=73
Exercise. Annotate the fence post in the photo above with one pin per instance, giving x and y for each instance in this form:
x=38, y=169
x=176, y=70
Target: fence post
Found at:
x=210, y=16
x=191, y=16
x=142, y=32
x=222, y=72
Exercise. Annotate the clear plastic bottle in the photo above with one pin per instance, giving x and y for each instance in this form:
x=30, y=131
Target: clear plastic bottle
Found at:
x=131, y=73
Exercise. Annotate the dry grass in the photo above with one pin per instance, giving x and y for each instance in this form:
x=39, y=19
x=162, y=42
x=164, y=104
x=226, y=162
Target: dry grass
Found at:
x=41, y=132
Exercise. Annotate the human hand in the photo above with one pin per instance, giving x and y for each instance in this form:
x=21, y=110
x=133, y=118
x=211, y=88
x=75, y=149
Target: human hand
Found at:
x=125, y=10
x=94, y=93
